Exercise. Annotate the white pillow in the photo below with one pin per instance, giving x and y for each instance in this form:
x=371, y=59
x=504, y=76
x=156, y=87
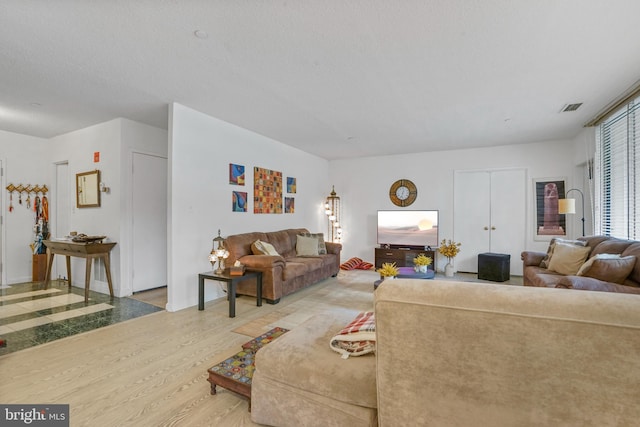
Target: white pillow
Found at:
x=307, y=246
x=567, y=259
x=263, y=248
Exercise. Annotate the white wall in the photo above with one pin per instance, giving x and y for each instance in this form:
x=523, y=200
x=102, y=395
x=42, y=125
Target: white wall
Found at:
x=363, y=185
x=115, y=140
x=25, y=161
x=136, y=138
x=201, y=148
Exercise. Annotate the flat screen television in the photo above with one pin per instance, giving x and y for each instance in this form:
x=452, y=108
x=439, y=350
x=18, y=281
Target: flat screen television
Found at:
x=408, y=228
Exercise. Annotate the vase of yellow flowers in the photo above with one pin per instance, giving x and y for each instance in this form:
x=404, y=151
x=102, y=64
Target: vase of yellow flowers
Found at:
x=388, y=270
x=422, y=263
x=449, y=249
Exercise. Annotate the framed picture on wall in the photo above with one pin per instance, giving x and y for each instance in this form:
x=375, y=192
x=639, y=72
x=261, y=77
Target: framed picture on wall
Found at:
x=549, y=222
x=291, y=184
x=236, y=174
x=289, y=205
x=239, y=201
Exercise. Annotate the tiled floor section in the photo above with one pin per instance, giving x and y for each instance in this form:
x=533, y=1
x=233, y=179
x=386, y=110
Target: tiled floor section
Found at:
x=31, y=316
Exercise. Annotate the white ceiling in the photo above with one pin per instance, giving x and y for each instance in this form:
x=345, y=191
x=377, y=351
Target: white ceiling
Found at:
x=335, y=78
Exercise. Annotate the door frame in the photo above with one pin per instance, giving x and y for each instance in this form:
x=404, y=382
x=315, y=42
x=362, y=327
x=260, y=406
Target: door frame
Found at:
x=127, y=288
x=3, y=243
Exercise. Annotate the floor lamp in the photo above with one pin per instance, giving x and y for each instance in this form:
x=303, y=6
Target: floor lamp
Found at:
x=568, y=206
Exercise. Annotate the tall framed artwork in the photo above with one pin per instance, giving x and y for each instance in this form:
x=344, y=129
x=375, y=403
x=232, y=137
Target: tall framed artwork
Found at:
x=549, y=222
x=267, y=191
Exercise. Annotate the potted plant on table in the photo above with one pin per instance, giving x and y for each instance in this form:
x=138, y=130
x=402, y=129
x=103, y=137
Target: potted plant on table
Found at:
x=449, y=249
x=388, y=270
x=422, y=263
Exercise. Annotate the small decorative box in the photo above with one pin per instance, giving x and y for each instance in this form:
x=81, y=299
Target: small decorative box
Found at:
x=236, y=271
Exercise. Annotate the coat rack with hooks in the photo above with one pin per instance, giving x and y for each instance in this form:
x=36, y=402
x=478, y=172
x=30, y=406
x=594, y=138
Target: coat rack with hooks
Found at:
x=29, y=190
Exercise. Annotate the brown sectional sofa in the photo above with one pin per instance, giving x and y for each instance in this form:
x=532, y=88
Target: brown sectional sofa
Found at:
x=535, y=275
x=287, y=272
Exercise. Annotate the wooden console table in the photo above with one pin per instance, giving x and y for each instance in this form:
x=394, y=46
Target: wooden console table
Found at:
x=401, y=257
x=89, y=251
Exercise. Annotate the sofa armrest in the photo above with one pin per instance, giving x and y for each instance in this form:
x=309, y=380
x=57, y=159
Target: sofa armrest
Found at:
x=532, y=258
x=333, y=248
x=257, y=262
x=591, y=284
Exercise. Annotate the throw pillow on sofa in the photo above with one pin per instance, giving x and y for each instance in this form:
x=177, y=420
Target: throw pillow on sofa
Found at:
x=322, y=247
x=306, y=246
x=263, y=248
x=608, y=267
x=552, y=244
x=568, y=258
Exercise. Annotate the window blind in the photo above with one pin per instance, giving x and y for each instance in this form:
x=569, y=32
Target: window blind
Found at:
x=618, y=173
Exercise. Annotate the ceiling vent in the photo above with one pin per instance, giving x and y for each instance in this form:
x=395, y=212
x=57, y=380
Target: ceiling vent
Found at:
x=571, y=107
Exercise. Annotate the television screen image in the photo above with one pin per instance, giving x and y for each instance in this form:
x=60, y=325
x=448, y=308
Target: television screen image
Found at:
x=408, y=228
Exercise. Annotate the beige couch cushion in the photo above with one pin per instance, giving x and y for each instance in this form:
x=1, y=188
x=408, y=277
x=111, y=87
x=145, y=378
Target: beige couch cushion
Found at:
x=302, y=359
x=568, y=258
x=495, y=355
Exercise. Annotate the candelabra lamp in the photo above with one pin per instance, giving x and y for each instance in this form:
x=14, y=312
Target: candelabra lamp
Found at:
x=568, y=206
x=332, y=210
x=218, y=253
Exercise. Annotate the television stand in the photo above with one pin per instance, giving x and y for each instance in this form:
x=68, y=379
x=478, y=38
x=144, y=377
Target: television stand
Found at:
x=402, y=257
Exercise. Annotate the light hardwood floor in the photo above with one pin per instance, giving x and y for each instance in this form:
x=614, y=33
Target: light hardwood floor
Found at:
x=151, y=371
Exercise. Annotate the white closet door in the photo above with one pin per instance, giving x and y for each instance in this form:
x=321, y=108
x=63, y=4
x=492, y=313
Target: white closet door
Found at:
x=471, y=217
x=149, y=222
x=508, y=219
x=489, y=216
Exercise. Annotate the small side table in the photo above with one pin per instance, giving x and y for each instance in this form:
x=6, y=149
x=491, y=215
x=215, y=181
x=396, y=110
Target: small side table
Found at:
x=232, y=282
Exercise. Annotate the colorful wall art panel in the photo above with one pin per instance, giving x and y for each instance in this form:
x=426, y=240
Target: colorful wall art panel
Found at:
x=267, y=191
x=239, y=201
x=289, y=205
x=236, y=174
x=291, y=184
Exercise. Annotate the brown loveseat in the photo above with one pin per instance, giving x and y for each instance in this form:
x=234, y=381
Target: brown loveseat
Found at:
x=607, y=278
x=286, y=272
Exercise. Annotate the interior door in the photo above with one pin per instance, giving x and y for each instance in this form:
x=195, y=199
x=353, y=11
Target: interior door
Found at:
x=61, y=210
x=1, y=227
x=471, y=217
x=149, y=263
x=508, y=215
x=489, y=216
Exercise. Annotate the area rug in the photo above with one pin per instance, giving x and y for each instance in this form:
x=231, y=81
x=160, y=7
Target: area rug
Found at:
x=258, y=326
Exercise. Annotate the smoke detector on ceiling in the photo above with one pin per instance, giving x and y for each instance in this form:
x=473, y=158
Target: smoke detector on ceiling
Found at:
x=570, y=107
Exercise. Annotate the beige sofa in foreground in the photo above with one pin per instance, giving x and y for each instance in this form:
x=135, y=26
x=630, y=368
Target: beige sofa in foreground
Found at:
x=466, y=354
